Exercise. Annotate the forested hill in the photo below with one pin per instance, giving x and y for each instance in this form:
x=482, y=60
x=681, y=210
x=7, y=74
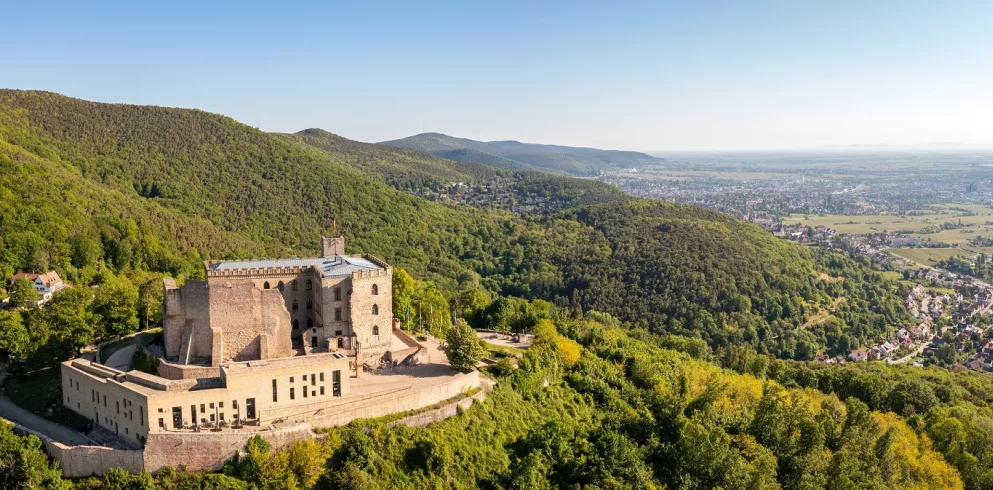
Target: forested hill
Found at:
x=150, y=188
x=515, y=155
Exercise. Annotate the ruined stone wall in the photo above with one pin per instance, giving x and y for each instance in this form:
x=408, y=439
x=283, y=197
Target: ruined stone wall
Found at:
x=186, y=305
x=372, y=328
x=301, y=294
x=209, y=450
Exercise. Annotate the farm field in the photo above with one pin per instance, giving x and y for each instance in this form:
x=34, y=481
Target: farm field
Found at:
x=927, y=256
x=980, y=224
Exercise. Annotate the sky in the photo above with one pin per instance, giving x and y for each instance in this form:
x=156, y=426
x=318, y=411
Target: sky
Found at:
x=658, y=75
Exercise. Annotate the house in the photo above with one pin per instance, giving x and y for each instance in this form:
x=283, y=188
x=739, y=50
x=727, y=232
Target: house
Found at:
x=858, y=355
x=987, y=346
x=46, y=284
x=902, y=334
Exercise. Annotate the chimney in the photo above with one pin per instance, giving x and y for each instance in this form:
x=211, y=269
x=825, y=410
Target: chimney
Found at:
x=332, y=246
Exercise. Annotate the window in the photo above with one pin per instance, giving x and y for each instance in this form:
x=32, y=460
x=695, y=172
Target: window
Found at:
x=310, y=323
x=296, y=305
x=336, y=383
x=305, y=392
x=310, y=304
x=337, y=314
x=177, y=417
x=313, y=379
x=220, y=404
x=322, y=377
x=291, y=379
x=118, y=407
x=375, y=289
x=337, y=294
x=310, y=285
x=266, y=285
x=275, y=398
x=161, y=422
x=293, y=285
x=375, y=330
x=292, y=394
x=280, y=286
x=375, y=309
x=250, y=407
x=203, y=408
x=305, y=378
x=322, y=391
x=141, y=417
x=296, y=324
x=337, y=333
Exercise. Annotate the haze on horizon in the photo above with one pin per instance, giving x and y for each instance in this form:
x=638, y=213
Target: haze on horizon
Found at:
x=654, y=76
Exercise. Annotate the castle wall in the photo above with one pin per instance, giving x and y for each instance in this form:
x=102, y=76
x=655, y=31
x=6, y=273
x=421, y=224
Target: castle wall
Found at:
x=372, y=330
x=80, y=461
x=209, y=450
x=335, y=294
x=95, y=392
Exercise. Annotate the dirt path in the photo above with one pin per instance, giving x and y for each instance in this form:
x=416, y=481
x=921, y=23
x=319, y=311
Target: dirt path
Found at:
x=14, y=413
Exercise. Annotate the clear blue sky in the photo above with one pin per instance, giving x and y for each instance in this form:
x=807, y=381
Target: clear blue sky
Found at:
x=651, y=76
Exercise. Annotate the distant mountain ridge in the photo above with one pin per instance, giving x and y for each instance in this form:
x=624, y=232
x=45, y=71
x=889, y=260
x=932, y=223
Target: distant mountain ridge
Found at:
x=514, y=155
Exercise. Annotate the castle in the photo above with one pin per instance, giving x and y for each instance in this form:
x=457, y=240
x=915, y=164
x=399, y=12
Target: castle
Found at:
x=259, y=345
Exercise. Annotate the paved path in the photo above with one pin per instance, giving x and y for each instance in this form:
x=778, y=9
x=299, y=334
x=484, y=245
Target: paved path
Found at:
x=911, y=355
x=14, y=413
x=121, y=358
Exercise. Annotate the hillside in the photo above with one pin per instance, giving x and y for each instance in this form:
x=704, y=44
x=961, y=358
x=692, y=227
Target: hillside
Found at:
x=158, y=189
x=398, y=167
x=511, y=154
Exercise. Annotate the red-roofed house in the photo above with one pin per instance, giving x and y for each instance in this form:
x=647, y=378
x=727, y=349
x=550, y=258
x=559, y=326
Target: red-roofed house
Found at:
x=46, y=284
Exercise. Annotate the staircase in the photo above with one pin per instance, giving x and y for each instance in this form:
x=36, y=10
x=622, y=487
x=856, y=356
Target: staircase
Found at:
x=186, y=344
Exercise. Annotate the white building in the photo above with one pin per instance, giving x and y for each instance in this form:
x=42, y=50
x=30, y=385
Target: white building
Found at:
x=46, y=284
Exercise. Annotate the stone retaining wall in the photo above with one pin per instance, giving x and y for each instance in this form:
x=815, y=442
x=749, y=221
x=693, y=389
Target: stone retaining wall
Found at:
x=209, y=450
x=78, y=461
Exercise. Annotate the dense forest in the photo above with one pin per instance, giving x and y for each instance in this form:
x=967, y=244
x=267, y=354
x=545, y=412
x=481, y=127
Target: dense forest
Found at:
x=91, y=186
x=631, y=411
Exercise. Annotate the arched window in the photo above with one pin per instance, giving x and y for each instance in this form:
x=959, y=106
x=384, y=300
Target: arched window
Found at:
x=296, y=305
x=375, y=330
x=310, y=323
x=266, y=285
x=310, y=304
x=280, y=286
x=375, y=289
x=296, y=324
x=310, y=285
x=293, y=285
x=375, y=309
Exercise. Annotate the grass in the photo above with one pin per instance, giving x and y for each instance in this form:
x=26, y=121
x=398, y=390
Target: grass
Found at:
x=927, y=256
x=876, y=223
x=499, y=351
x=892, y=275
x=40, y=392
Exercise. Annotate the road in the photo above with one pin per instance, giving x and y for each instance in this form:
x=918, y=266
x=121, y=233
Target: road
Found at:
x=911, y=355
x=14, y=413
x=121, y=359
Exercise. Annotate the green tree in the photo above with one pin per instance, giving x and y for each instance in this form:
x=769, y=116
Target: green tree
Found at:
x=23, y=292
x=116, y=304
x=465, y=349
x=24, y=464
x=14, y=338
